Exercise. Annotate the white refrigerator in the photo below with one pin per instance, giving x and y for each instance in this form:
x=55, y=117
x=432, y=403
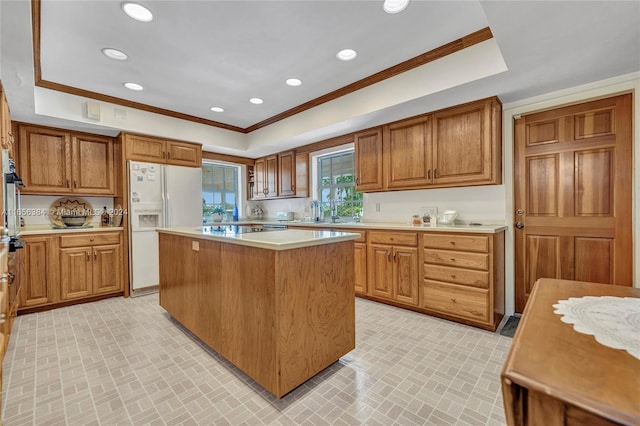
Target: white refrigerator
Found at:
x=160, y=196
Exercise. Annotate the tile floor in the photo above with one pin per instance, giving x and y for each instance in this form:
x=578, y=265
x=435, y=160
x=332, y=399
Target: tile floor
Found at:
x=126, y=362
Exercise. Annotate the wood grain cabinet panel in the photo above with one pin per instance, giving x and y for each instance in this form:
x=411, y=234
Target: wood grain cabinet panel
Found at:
x=282, y=175
x=393, y=269
x=39, y=271
x=54, y=161
x=157, y=150
x=6, y=130
x=463, y=277
x=456, y=146
x=407, y=150
x=99, y=271
x=368, y=160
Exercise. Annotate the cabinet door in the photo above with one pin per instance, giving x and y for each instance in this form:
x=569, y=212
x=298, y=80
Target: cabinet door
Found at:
x=144, y=148
x=184, y=154
x=360, y=260
x=302, y=175
x=75, y=272
x=93, y=165
x=380, y=270
x=405, y=271
x=286, y=174
x=407, y=148
x=5, y=123
x=271, y=176
x=259, y=173
x=368, y=153
x=462, y=144
x=39, y=272
x=107, y=272
x=45, y=160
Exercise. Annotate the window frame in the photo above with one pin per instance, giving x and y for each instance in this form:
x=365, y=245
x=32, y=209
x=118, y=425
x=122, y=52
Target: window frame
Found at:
x=356, y=202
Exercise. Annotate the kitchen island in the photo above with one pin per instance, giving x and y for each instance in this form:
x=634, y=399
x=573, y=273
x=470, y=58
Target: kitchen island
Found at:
x=279, y=305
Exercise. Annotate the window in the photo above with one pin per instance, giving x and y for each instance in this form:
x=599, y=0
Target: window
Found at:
x=219, y=189
x=337, y=182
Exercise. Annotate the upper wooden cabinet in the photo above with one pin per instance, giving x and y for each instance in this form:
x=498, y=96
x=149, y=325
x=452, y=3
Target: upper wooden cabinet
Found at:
x=467, y=144
x=281, y=175
x=457, y=146
x=6, y=132
x=156, y=150
x=368, y=159
x=55, y=161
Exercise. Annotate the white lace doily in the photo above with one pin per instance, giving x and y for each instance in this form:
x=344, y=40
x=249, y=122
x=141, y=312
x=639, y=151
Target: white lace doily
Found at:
x=613, y=321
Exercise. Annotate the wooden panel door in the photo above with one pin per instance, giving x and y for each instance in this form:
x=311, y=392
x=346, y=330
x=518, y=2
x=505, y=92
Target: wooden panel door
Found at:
x=45, y=160
x=380, y=270
x=184, y=154
x=368, y=159
x=145, y=148
x=75, y=272
x=39, y=271
x=407, y=152
x=107, y=272
x=286, y=174
x=271, y=176
x=405, y=271
x=93, y=165
x=573, y=174
x=360, y=261
x=462, y=144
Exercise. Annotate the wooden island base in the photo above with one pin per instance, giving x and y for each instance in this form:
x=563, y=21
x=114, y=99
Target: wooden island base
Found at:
x=280, y=316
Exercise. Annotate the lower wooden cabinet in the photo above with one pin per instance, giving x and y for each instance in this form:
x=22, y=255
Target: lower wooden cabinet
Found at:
x=393, y=266
x=65, y=267
x=39, y=271
x=463, y=277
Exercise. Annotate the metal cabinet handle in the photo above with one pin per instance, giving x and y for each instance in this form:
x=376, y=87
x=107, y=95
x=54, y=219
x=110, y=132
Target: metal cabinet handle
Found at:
x=67, y=183
x=395, y=253
x=88, y=257
x=75, y=184
x=429, y=174
x=95, y=255
x=388, y=255
x=435, y=173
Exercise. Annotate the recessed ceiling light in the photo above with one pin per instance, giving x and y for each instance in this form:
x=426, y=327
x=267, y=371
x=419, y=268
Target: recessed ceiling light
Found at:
x=256, y=101
x=133, y=86
x=395, y=6
x=294, y=82
x=217, y=109
x=137, y=12
x=346, y=54
x=114, y=54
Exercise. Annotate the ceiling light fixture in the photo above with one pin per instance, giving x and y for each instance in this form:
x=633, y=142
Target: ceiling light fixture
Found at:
x=395, y=6
x=114, y=54
x=133, y=86
x=346, y=54
x=256, y=101
x=294, y=82
x=137, y=12
x=217, y=109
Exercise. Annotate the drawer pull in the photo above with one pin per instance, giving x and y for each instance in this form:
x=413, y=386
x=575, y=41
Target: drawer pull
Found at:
x=453, y=243
x=453, y=259
x=453, y=275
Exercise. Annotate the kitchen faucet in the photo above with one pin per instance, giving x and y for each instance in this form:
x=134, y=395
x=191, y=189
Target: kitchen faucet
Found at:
x=334, y=211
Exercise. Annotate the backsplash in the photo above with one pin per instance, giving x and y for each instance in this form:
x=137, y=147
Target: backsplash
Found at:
x=483, y=204
x=36, y=207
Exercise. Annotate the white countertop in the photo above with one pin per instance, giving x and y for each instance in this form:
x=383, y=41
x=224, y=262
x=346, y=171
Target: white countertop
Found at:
x=272, y=240
x=480, y=229
x=50, y=229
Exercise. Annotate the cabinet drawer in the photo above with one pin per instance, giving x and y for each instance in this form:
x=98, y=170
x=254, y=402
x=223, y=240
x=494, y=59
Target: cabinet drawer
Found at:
x=479, y=279
x=478, y=243
x=78, y=240
x=456, y=300
x=457, y=258
x=395, y=238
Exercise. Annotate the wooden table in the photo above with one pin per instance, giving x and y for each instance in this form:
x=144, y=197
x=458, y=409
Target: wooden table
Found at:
x=554, y=375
